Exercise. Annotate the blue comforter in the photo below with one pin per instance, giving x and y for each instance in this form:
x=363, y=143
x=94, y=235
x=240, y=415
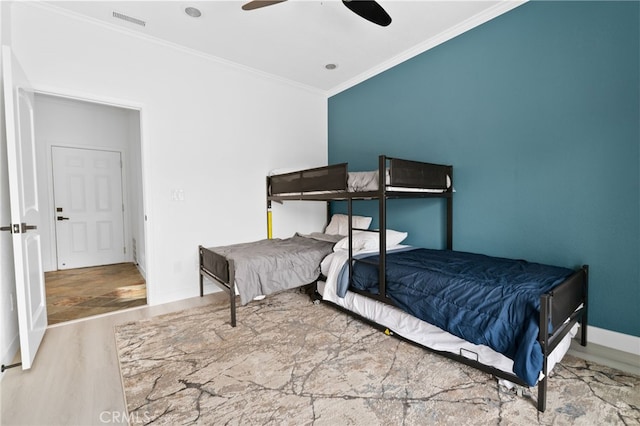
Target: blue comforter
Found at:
x=484, y=300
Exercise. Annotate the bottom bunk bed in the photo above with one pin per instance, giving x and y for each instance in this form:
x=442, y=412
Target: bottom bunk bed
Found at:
x=408, y=310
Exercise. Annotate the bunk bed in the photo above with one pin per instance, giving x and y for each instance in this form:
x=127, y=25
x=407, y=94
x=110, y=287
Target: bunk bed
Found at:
x=255, y=269
x=560, y=304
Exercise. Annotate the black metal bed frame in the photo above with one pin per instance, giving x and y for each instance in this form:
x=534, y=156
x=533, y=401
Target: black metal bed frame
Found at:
x=221, y=271
x=561, y=308
x=559, y=300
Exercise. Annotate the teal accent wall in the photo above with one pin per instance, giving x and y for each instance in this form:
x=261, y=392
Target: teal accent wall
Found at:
x=538, y=111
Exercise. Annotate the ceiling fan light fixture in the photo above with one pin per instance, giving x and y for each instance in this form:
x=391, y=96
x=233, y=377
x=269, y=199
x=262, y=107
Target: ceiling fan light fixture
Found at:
x=367, y=9
x=193, y=12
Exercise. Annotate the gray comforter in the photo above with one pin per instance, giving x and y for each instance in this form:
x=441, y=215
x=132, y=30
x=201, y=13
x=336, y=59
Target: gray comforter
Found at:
x=268, y=266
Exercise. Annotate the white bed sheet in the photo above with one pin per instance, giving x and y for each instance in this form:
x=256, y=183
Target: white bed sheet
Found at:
x=368, y=181
x=419, y=331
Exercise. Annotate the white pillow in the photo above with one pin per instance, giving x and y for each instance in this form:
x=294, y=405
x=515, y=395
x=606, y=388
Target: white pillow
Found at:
x=363, y=240
x=339, y=224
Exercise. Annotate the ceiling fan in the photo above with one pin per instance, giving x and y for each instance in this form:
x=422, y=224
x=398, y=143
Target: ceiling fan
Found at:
x=369, y=10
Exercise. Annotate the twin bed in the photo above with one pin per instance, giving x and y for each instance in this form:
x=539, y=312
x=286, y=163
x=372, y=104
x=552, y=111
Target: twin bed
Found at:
x=479, y=310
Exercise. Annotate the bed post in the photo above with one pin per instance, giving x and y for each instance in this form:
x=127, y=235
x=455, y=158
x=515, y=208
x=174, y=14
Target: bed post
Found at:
x=200, y=271
x=545, y=310
x=232, y=292
x=382, y=226
x=583, y=320
x=269, y=219
x=350, y=235
x=450, y=212
x=449, y=222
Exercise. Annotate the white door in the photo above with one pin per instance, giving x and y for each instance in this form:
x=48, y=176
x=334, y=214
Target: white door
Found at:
x=89, y=216
x=25, y=211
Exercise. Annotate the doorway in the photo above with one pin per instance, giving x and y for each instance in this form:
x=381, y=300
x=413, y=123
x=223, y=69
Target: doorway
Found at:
x=90, y=189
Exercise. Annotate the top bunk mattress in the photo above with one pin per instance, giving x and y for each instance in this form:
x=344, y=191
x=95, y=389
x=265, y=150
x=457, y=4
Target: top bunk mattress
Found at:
x=369, y=181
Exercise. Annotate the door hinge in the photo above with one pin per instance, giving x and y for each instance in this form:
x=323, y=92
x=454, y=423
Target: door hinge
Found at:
x=124, y=250
x=13, y=228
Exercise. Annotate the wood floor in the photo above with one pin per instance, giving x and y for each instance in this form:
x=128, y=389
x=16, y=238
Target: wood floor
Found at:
x=75, y=378
x=84, y=292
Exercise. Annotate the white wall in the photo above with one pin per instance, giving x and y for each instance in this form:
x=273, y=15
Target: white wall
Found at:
x=135, y=193
x=208, y=129
x=76, y=124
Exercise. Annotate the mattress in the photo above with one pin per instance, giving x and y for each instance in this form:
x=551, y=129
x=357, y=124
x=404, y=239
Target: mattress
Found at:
x=416, y=330
x=368, y=181
x=271, y=265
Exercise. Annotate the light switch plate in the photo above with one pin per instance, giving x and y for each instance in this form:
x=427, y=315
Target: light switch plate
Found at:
x=177, y=194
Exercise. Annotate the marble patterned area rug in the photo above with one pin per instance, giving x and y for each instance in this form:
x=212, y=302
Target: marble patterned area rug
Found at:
x=292, y=362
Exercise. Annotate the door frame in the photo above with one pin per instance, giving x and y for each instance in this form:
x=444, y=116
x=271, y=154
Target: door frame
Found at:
x=127, y=179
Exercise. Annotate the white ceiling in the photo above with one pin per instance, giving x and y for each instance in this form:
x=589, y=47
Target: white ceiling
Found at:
x=294, y=40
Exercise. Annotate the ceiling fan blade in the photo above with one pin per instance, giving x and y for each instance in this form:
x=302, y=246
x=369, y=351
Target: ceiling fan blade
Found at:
x=257, y=4
x=369, y=10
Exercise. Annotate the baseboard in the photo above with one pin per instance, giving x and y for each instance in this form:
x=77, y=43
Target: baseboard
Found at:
x=610, y=348
x=11, y=352
x=614, y=340
x=142, y=271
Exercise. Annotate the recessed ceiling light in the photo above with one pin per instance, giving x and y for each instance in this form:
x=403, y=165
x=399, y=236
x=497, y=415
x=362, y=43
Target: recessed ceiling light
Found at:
x=193, y=12
x=331, y=66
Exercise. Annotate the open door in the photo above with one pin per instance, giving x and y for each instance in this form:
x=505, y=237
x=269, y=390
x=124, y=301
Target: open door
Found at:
x=25, y=211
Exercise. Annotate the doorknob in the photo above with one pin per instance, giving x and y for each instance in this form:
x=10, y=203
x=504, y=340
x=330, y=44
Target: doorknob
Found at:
x=26, y=227
x=62, y=218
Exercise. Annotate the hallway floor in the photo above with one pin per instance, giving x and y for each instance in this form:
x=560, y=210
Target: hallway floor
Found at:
x=84, y=292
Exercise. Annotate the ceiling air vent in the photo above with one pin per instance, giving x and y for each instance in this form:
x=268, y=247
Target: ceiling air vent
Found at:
x=129, y=19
